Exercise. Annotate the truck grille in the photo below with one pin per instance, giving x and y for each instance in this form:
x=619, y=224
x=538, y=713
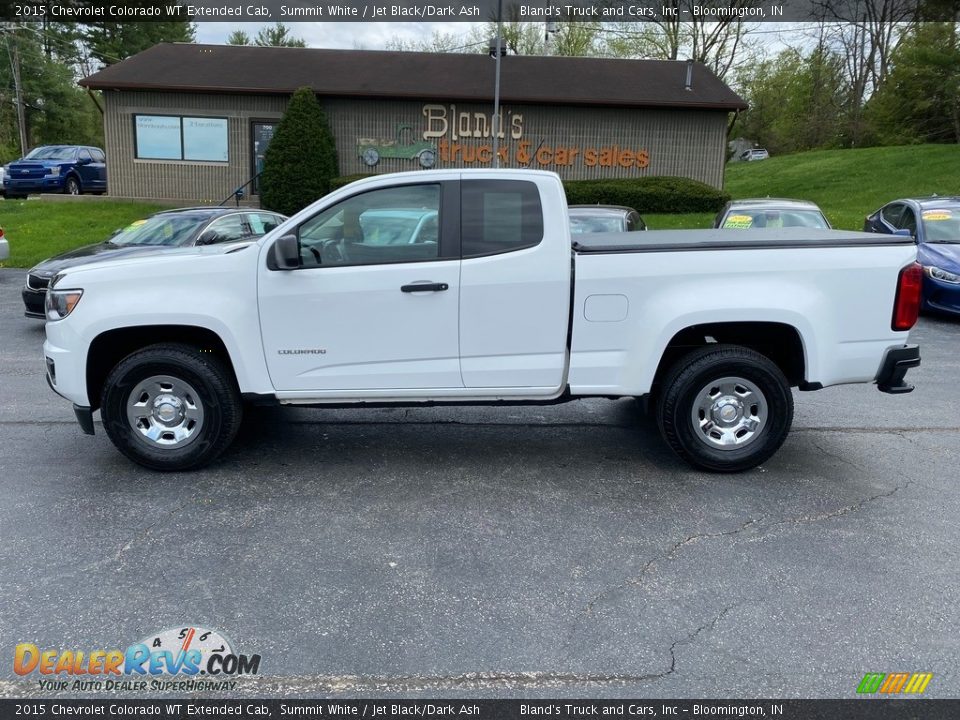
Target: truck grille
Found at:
x=35, y=282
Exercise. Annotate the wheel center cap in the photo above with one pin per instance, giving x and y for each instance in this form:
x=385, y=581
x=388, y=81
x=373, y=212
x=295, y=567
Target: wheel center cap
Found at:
x=726, y=410
x=168, y=408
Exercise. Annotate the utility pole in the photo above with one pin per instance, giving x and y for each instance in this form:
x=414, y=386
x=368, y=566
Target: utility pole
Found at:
x=14, y=55
x=496, y=86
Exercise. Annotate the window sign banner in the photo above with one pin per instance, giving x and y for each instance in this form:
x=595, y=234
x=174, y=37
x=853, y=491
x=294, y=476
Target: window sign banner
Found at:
x=205, y=139
x=158, y=137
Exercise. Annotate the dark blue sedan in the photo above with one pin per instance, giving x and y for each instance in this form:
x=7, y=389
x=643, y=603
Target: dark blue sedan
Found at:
x=70, y=169
x=935, y=223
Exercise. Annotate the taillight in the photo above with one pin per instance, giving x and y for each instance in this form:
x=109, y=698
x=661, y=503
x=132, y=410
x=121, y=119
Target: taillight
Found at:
x=906, y=305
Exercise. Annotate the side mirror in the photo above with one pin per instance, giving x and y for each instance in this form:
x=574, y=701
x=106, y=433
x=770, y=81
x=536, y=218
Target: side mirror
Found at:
x=903, y=232
x=84, y=161
x=286, y=252
x=207, y=238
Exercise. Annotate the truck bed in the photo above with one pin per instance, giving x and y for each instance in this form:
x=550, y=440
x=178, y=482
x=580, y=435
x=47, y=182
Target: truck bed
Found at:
x=719, y=239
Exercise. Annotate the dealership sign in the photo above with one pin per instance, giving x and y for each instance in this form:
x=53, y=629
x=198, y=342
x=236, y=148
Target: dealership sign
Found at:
x=456, y=134
x=466, y=138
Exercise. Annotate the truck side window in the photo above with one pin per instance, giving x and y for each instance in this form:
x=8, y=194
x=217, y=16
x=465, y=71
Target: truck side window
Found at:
x=499, y=216
x=376, y=227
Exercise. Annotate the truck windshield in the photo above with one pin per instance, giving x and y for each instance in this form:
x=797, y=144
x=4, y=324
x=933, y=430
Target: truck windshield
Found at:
x=54, y=152
x=169, y=231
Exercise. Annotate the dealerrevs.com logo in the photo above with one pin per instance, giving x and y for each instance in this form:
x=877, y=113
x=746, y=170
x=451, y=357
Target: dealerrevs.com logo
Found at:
x=180, y=660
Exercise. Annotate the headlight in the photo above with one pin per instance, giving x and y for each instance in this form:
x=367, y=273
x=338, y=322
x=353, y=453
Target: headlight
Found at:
x=54, y=170
x=60, y=303
x=942, y=275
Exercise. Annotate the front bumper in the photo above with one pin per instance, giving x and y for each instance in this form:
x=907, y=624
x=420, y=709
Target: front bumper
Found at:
x=940, y=296
x=894, y=367
x=46, y=184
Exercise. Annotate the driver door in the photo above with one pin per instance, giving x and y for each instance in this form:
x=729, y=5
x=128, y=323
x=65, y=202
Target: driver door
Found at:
x=374, y=307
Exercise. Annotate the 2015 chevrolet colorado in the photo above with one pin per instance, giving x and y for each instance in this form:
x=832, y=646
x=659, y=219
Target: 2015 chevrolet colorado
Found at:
x=490, y=303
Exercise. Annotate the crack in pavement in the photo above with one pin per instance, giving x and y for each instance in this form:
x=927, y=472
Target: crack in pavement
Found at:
x=693, y=636
x=839, y=458
x=637, y=580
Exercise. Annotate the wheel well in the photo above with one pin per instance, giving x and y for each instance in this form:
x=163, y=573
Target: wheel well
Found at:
x=110, y=347
x=777, y=341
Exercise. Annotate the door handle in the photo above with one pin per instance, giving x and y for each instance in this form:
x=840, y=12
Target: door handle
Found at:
x=424, y=287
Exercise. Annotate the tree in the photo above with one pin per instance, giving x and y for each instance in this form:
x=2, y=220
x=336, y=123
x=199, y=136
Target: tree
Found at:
x=55, y=109
x=718, y=44
x=238, y=37
x=438, y=42
x=277, y=36
x=795, y=100
x=301, y=159
x=920, y=100
x=110, y=42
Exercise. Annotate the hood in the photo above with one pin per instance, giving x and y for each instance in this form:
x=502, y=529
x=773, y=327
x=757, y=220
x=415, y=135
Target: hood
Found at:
x=152, y=255
x=91, y=253
x=945, y=257
x=22, y=163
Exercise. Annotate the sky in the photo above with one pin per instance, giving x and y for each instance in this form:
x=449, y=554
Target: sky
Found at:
x=375, y=35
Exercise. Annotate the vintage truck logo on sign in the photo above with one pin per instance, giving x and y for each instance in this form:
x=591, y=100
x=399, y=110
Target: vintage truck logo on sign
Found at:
x=404, y=146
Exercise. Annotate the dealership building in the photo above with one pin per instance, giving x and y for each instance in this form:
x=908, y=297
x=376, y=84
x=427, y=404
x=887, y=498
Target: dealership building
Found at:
x=190, y=121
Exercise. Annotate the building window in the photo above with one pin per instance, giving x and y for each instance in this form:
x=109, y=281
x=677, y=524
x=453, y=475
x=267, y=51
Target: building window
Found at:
x=173, y=137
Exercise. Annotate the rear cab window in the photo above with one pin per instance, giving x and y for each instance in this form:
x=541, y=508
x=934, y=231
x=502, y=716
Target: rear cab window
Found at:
x=498, y=216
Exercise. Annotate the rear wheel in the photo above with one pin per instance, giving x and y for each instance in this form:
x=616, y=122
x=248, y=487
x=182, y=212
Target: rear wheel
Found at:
x=725, y=408
x=72, y=186
x=171, y=407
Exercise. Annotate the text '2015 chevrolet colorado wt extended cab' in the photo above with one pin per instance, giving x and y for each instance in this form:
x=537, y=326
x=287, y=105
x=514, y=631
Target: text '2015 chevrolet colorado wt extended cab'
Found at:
x=463, y=287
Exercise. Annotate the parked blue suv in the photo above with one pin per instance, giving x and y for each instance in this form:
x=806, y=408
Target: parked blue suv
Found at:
x=70, y=169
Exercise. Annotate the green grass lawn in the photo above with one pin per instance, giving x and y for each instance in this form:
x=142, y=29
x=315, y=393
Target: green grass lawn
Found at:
x=850, y=184
x=846, y=184
x=38, y=229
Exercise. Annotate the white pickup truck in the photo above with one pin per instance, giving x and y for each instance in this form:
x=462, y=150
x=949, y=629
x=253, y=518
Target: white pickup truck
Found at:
x=464, y=287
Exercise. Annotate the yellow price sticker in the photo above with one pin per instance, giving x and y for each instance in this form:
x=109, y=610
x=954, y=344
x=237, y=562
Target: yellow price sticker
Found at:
x=935, y=215
x=738, y=222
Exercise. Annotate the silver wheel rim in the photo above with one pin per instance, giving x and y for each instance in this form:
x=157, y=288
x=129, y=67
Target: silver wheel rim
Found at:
x=729, y=413
x=72, y=187
x=165, y=412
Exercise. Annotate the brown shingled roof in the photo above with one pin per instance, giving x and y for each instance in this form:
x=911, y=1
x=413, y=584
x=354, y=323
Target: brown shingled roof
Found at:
x=187, y=67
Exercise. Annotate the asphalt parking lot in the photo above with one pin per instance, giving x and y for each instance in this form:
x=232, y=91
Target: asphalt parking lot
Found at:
x=556, y=551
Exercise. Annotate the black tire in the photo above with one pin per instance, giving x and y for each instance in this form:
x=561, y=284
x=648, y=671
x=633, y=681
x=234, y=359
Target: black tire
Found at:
x=685, y=390
x=71, y=186
x=210, y=386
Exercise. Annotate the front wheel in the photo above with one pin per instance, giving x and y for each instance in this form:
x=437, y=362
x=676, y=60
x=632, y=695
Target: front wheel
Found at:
x=171, y=407
x=71, y=186
x=725, y=408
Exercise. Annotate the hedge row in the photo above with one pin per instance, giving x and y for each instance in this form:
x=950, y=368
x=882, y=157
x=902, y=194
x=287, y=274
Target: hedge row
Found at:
x=648, y=195
x=339, y=182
